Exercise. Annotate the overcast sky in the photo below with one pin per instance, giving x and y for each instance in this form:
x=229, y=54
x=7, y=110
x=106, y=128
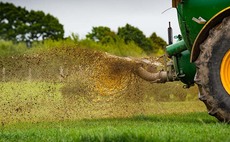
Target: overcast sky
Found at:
x=79, y=16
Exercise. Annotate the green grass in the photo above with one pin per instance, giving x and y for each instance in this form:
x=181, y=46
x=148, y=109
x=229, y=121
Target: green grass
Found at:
x=173, y=127
x=32, y=101
x=37, y=111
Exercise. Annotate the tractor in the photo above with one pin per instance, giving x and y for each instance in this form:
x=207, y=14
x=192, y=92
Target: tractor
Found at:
x=201, y=54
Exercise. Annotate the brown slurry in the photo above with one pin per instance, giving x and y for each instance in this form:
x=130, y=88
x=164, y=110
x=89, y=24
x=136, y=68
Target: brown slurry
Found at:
x=73, y=83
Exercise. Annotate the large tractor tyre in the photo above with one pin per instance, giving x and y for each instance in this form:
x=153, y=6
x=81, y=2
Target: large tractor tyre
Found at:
x=213, y=71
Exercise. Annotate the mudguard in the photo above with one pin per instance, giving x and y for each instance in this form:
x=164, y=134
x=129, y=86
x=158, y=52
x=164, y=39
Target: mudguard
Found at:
x=203, y=34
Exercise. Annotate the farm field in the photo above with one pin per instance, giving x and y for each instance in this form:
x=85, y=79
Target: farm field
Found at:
x=37, y=111
x=163, y=127
x=58, y=96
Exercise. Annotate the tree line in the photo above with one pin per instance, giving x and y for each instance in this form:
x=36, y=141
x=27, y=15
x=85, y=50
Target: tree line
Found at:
x=20, y=25
x=128, y=33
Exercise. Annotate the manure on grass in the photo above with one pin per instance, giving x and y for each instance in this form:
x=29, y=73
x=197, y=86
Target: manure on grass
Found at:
x=73, y=83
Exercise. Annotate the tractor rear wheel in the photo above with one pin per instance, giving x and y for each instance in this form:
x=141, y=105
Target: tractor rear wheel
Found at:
x=213, y=71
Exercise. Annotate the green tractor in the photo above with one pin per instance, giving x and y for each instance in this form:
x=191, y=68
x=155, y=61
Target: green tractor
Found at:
x=202, y=54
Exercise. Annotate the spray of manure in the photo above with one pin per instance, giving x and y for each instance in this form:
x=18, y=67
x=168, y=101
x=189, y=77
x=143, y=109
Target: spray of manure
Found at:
x=72, y=83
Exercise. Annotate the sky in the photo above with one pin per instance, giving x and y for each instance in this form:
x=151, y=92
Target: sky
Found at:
x=79, y=16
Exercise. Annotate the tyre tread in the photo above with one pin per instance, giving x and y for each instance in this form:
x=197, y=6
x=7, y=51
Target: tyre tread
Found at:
x=201, y=77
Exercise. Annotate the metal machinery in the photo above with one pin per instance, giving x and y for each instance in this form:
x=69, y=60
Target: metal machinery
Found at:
x=202, y=53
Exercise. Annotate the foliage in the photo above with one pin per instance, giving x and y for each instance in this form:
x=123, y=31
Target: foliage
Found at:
x=18, y=24
x=119, y=48
x=74, y=37
x=127, y=35
x=8, y=48
x=102, y=34
x=130, y=33
x=157, y=42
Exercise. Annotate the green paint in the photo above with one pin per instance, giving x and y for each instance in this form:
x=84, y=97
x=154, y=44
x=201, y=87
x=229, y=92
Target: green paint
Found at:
x=185, y=70
x=197, y=8
x=176, y=48
x=186, y=11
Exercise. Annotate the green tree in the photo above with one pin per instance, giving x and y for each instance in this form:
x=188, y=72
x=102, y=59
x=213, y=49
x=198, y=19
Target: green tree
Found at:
x=18, y=24
x=130, y=33
x=158, y=42
x=44, y=26
x=11, y=21
x=102, y=34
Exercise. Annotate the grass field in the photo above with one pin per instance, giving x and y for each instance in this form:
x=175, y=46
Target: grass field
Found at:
x=36, y=111
x=99, y=99
x=28, y=101
x=164, y=127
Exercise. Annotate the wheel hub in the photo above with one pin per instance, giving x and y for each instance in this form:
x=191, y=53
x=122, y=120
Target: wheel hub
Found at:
x=225, y=72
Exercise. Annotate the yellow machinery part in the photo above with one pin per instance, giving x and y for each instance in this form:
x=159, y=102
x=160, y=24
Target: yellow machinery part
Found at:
x=225, y=72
